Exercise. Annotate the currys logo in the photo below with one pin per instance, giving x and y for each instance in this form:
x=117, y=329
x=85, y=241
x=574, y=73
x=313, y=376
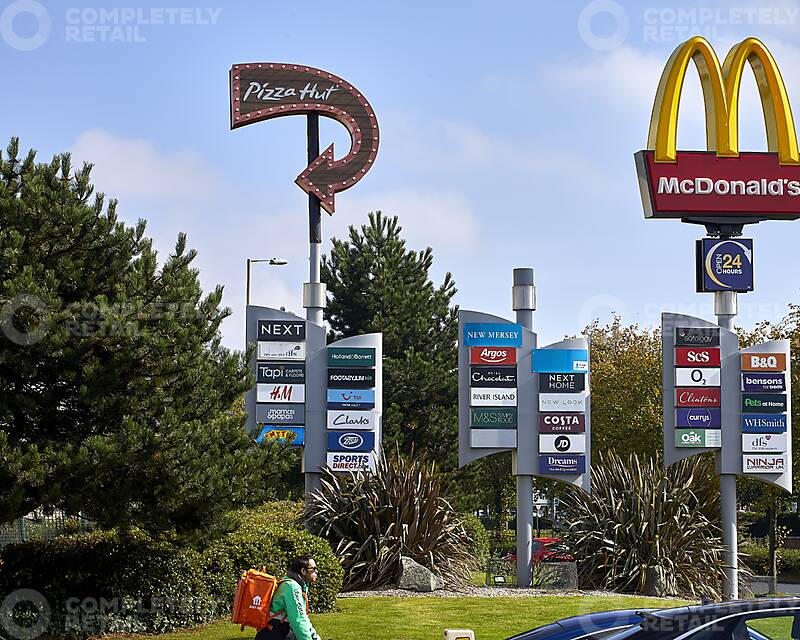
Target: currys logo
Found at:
x=351, y=441
x=698, y=418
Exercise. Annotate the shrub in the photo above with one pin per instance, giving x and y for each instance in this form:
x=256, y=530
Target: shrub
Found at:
x=371, y=520
x=270, y=536
x=647, y=529
x=478, y=540
x=756, y=557
x=138, y=584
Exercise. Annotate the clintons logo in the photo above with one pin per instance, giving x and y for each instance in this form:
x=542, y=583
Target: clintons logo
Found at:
x=697, y=397
x=721, y=182
x=492, y=355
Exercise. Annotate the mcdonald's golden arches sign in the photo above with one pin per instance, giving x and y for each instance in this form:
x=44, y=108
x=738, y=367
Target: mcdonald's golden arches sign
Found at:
x=721, y=182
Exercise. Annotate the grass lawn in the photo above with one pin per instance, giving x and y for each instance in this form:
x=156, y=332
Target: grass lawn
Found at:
x=426, y=618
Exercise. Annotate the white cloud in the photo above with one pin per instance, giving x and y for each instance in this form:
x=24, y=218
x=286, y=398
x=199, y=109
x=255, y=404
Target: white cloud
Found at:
x=136, y=168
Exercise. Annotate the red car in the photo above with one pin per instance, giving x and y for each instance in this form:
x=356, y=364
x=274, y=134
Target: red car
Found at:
x=544, y=550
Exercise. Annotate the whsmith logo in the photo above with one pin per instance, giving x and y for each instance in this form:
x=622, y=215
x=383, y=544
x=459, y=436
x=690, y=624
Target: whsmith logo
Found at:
x=680, y=184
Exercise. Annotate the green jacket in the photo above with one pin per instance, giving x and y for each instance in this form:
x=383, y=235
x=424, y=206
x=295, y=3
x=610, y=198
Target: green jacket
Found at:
x=289, y=603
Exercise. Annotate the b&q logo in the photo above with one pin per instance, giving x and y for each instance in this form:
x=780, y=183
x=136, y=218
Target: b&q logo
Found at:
x=722, y=181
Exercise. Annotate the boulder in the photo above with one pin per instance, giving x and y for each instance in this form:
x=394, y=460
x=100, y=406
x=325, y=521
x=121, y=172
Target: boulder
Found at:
x=659, y=583
x=415, y=577
x=558, y=575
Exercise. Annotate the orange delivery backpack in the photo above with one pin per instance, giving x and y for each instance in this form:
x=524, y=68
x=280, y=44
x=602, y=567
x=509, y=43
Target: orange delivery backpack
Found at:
x=253, y=598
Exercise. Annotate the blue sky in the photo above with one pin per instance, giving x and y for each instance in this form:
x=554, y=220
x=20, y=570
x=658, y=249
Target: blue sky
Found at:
x=507, y=138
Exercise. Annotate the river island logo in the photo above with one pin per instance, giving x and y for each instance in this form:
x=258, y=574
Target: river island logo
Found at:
x=677, y=184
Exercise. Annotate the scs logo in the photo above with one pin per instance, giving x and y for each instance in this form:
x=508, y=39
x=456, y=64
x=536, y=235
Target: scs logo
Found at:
x=696, y=356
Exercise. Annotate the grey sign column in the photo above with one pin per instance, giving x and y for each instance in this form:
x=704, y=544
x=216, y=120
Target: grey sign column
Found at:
x=523, y=297
x=310, y=351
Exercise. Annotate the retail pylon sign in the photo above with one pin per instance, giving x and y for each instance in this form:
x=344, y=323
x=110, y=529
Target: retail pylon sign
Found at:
x=717, y=397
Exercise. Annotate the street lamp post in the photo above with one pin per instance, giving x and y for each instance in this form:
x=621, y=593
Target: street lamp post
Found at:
x=272, y=261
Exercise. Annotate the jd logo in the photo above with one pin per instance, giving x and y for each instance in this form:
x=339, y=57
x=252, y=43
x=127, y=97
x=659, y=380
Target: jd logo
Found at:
x=562, y=444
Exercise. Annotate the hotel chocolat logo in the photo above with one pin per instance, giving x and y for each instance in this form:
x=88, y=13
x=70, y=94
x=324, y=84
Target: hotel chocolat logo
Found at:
x=493, y=376
x=356, y=378
x=696, y=337
x=281, y=330
x=562, y=382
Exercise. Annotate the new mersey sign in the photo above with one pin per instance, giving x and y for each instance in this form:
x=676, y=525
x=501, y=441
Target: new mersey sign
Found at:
x=721, y=182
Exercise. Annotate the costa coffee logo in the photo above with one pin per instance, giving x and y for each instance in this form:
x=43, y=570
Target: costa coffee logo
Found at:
x=699, y=397
x=492, y=355
x=562, y=423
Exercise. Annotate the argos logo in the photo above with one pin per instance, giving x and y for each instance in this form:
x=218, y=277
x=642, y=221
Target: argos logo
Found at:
x=492, y=355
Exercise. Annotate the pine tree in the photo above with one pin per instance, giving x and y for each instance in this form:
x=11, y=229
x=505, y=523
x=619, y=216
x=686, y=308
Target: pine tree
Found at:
x=117, y=399
x=376, y=284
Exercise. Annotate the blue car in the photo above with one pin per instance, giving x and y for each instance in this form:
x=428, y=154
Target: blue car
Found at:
x=738, y=620
x=590, y=626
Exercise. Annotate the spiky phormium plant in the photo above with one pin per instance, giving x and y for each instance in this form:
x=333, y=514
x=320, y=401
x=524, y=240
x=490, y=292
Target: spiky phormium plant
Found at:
x=401, y=510
x=648, y=529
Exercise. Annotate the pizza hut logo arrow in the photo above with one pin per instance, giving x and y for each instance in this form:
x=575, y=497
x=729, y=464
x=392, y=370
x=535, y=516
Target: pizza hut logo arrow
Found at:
x=260, y=91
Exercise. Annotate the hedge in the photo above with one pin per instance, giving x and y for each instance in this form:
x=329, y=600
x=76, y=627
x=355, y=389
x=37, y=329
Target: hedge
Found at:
x=269, y=536
x=757, y=558
x=104, y=582
x=479, y=539
x=108, y=582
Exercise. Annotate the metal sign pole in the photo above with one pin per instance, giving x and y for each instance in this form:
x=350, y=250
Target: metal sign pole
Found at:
x=726, y=308
x=314, y=290
x=524, y=303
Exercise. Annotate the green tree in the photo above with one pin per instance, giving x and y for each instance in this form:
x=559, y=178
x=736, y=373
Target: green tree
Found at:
x=376, y=284
x=626, y=389
x=117, y=399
